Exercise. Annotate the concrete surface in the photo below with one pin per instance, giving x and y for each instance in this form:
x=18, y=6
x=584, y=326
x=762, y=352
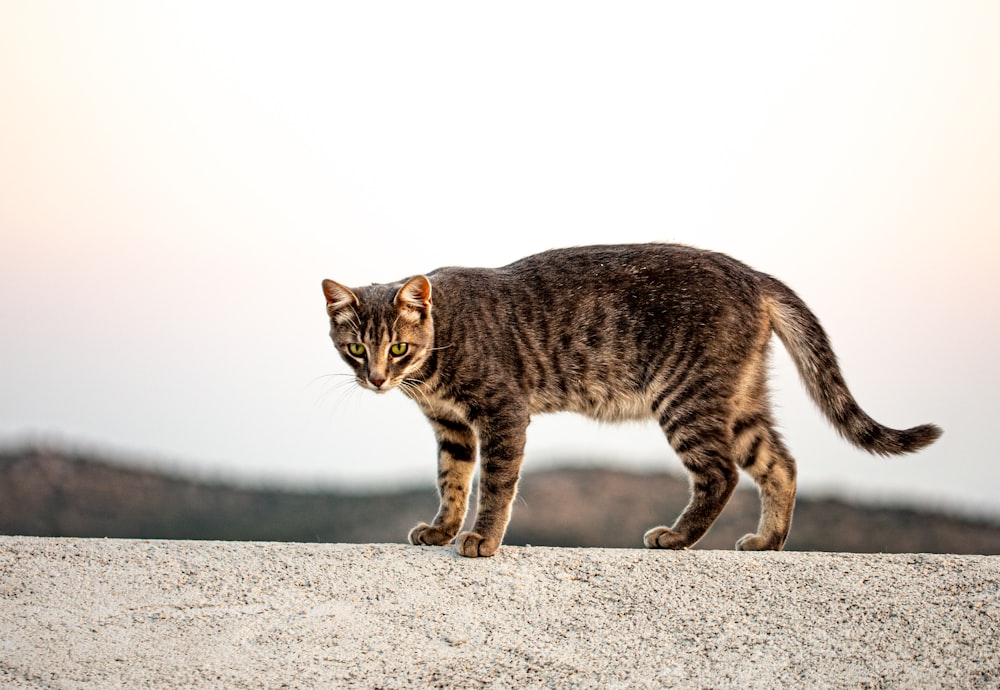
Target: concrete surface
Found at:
x=78, y=613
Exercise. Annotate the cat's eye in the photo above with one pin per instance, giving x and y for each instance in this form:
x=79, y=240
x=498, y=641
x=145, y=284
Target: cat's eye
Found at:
x=356, y=349
x=398, y=349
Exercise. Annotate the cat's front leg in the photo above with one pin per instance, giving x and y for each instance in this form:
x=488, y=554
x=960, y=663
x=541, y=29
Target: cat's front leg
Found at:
x=456, y=464
x=500, y=469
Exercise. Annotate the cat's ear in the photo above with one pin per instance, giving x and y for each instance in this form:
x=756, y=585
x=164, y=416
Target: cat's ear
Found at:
x=414, y=298
x=339, y=300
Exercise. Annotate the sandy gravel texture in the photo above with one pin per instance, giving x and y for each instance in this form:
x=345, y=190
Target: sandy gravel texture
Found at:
x=78, y=613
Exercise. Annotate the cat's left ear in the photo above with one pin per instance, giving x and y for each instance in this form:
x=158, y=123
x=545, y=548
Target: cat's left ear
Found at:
x=414, y=298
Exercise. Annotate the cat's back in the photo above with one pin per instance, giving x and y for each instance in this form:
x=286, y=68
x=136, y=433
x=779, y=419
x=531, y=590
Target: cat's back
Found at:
x=600, y=295
x=608, y=257
x=658, y=263
x=609, y=261
x=654, y=277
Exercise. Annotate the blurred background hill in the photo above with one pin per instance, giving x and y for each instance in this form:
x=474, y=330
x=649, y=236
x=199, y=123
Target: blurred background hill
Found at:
x=49, y=492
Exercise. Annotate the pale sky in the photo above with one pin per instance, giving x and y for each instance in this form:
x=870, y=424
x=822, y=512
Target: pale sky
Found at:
x=176, y=179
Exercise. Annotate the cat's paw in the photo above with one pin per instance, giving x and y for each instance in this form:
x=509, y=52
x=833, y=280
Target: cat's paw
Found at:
x=664, y=538
x=473, y=545
x=755, y=542
x=428, y=535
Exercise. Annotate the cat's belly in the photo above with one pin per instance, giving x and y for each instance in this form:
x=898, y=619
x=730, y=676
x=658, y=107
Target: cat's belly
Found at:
x=598, y=402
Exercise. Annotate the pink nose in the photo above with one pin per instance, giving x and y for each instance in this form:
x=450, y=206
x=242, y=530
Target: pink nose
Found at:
x=378, y=382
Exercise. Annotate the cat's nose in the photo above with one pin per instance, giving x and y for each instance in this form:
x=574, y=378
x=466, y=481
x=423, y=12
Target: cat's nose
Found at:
x=377, y=382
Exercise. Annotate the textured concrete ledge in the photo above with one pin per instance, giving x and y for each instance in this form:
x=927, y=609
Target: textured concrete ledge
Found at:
x=78, y=613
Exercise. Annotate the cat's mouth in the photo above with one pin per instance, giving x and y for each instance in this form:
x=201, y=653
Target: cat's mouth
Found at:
x=377, y=385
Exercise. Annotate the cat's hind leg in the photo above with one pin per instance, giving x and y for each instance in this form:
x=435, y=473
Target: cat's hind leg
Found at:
x=456, y=465
x=699, y=437
x=762, y=454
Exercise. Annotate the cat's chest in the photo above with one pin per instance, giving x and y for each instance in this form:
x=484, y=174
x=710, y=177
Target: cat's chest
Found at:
x=442, y=407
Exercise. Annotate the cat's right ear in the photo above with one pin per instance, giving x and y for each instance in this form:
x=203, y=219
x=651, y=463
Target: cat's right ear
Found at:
x=340, y=301
x=414, y=298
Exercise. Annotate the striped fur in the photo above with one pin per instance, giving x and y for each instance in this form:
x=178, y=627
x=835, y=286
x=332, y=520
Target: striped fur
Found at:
x=616, y=332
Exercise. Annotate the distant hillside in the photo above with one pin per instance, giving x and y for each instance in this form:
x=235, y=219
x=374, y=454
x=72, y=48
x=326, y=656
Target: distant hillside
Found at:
x=46, y=493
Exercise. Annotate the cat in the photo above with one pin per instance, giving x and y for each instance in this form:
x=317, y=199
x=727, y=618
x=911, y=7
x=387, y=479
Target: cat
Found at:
x=616, y=332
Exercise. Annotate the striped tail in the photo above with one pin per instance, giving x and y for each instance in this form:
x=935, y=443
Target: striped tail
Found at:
x=804, y=337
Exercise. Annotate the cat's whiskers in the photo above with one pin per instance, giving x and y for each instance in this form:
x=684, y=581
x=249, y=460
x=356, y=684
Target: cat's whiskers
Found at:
x=341, y=384
x=328, y=376
x=414, y=386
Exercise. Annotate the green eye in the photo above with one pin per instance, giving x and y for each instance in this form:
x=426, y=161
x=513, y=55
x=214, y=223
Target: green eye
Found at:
x=356, y=349
x=398, y=349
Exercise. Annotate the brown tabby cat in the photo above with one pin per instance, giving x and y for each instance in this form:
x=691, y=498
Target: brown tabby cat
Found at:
x=615, y=332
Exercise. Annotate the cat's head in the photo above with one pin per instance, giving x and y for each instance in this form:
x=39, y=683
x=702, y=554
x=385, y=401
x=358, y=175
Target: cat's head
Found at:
x=384, y=332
